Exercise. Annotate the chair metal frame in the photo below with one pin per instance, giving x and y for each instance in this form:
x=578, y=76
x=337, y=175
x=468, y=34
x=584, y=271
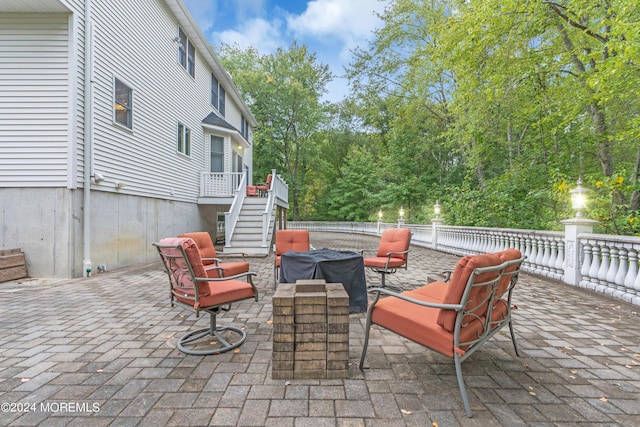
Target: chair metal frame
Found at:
x=176, y=271
x=463, y=350
x=386, y=269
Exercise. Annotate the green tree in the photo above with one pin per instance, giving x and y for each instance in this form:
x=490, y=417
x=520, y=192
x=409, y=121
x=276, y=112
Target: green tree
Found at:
x=284, y=92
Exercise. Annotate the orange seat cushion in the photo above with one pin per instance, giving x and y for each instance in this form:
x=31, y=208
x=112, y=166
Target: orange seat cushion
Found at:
x=233, y=268
x=224, y=292
x=419, y=323
x=380, y=262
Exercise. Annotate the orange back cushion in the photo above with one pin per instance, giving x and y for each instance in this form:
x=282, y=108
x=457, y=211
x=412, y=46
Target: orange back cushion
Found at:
x=394, y=240
x=463, y=271
x=507, y=255
x=292, y=240
x=181, y=280
x=204, y=242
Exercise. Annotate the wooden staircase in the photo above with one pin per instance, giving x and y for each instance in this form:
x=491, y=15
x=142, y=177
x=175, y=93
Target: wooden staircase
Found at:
x=247, y=237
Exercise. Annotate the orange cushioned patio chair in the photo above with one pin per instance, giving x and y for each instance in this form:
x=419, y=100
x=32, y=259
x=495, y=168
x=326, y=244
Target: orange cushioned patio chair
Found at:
x=265, y=186
x=392, y=253
x=193, y=286
x=289, y=240
x=453, y=318
x=210, y=257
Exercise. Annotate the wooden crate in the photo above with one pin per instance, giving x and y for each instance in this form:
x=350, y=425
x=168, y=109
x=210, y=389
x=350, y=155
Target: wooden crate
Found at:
x=12, y=265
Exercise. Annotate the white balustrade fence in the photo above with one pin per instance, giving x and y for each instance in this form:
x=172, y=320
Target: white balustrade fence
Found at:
x=219, y=184
x=607, y=264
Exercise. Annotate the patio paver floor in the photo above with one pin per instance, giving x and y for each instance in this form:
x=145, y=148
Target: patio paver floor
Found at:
x=101, y=351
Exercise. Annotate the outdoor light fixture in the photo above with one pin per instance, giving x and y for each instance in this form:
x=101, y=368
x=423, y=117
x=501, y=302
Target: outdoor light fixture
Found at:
x=401, y=212
x=579, y=198
x=380, y=215
x=436, y=209
x=177, y=40
x=98, y=178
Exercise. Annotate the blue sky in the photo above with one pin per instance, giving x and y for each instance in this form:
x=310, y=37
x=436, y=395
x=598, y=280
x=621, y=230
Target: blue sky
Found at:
x=328, y=27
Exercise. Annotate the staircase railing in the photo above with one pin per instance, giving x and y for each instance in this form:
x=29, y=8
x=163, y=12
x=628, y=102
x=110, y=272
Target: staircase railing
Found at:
x=231, y=217
x=279, y=190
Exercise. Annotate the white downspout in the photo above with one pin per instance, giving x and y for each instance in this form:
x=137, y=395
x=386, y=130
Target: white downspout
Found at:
x=88, y=137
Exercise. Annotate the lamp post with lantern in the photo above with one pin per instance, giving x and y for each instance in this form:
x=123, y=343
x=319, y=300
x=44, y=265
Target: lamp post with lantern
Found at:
x=573, y=227
x=436, y=222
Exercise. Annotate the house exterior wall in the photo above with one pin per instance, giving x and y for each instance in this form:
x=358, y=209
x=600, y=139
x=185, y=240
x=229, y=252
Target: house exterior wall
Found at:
x=34, y=100
x=43, y=141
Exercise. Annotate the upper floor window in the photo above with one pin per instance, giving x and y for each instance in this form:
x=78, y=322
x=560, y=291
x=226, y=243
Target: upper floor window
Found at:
x=186, y=53
x=244, y=128
x=184, y=139
x=122, y=104
x=217, y=95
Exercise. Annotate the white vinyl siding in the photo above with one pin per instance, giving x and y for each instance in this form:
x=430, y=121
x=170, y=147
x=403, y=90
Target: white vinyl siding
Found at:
x=34, y=100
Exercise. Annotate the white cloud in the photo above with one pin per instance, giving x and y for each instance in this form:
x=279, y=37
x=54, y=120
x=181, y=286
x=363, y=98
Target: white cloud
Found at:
x=347, y=20
x=257, y=33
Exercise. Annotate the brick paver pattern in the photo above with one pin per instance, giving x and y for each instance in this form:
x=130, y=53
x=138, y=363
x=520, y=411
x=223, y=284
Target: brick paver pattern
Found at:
x=101, y=351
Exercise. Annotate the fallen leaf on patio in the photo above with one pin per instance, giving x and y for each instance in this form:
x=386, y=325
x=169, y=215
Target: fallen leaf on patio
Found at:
x=603, y=399
x=269, y=322
x=634, y=362
x=636, y=355
x=532, y=393
x=568, y=348
x=213, y=343
x=623, y=349
x=287, y=383
x=24, y=380
x=237, y=350
x=404, y=411
x=628, y=366
x=434, y=424
x=573, y=371
x=99, y=370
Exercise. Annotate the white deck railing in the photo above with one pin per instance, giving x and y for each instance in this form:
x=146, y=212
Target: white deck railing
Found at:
x=220, y=184
x=231, y=217
x=606, y=263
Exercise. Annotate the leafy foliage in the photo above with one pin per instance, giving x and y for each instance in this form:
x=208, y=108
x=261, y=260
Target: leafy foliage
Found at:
x=494, y=108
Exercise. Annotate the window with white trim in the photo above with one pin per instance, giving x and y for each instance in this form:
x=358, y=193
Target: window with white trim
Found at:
x=184, y=139
x=186, y=53
x=217, y=153
x=122, y=104
x=217, y=95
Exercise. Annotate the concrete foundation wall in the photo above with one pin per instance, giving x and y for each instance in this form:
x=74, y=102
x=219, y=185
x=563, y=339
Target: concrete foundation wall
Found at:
x=46, y=223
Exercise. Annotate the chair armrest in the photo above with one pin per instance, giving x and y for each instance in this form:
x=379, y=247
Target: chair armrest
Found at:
x=362, y=251
x=240, y=255
x=389, y=293
x=398, y=253
x=222, y=279
x=215, y=260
